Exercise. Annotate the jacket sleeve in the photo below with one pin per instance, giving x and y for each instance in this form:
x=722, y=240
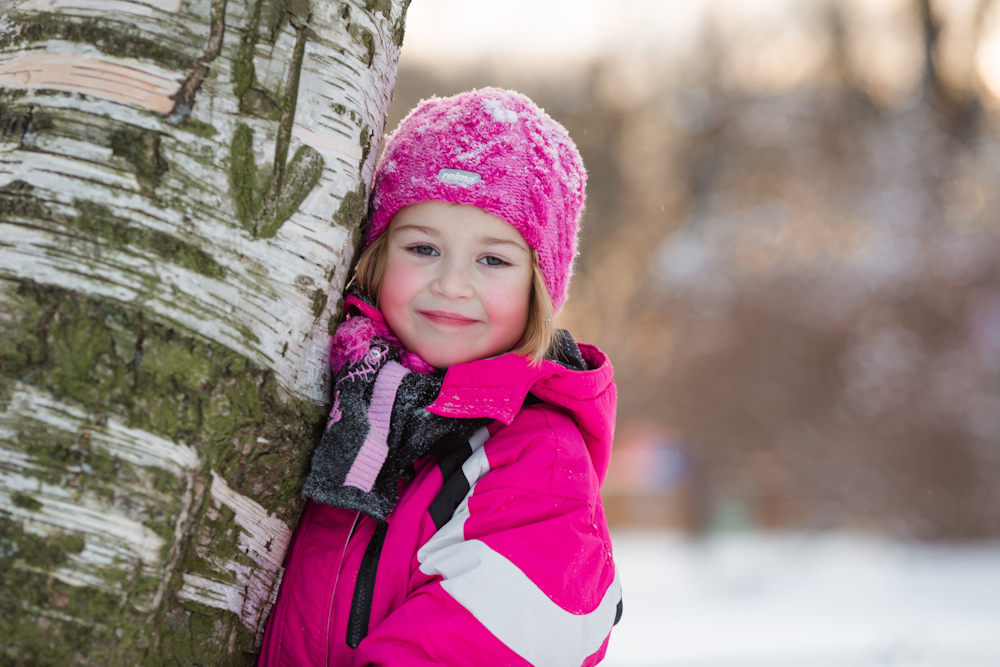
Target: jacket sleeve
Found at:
x=522, y=574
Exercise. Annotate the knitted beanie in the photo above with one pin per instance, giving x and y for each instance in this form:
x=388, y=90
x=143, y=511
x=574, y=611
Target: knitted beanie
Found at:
x=496, y=150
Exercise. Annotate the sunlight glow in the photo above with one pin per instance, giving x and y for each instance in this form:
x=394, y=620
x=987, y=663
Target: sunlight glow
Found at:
x=988, y=54
x=546, y=34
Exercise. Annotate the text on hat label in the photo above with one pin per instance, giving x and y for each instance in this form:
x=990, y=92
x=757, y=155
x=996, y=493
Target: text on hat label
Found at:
x=459, y=177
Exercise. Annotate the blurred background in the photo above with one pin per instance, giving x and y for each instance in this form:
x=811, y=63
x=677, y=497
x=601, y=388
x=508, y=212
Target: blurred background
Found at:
x=791, y=253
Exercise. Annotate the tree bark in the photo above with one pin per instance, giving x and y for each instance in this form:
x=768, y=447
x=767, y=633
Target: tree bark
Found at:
x=181, y=187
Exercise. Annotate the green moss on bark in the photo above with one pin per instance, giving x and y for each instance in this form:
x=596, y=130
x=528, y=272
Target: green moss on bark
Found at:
x=353, y=207
x=44, y=621
x=290, y=96
x=300, y=9
x=272, y=18
x=258, y=103
x=366, y=39
x=14, y=119
x=399, y=27
x=384, y=6
x=113, y=359
x=17, y=200
x=301, y=175
x=269, y=16
x=141, y=148
x=319, y=300
x=110, y=37
x=262, y=217
x=243, y=176
x=265, y=202
x=24, y=501
x=99, y=221
x=336, y=317
x=366, y=146
x=243, y=72
x=136, y=150
x=199, y=128
x=194, y=639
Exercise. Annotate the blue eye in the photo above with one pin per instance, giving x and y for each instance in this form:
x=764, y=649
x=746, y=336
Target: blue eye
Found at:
x=423, y=250
x=493, y=260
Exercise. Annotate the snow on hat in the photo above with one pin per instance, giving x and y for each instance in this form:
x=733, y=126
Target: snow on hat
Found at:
x=496, y=150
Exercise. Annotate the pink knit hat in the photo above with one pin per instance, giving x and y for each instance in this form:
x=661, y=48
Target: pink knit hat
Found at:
x=494, y=149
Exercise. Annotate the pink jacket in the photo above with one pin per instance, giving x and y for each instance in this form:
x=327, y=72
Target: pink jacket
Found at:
x=496, y=554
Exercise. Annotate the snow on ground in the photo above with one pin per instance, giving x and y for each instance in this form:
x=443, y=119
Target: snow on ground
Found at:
x=797, y=600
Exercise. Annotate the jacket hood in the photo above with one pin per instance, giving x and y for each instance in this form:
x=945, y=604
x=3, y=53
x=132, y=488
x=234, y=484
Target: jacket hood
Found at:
x=498, y=387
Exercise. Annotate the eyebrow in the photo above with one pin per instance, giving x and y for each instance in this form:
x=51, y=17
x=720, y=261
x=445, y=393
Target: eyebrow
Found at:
x=416, y=228
x=491, y=240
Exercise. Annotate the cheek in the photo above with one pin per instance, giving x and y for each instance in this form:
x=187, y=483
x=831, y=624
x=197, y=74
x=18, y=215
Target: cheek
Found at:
x=508, y=305
x=398, y=285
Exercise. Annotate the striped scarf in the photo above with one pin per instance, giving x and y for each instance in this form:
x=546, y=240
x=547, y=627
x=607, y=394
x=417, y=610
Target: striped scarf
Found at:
x=379, y=424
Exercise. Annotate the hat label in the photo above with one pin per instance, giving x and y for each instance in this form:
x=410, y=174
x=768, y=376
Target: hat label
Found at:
x=459, y=177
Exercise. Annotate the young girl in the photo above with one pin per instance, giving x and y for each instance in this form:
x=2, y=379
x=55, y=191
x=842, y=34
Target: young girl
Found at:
x=455, y=514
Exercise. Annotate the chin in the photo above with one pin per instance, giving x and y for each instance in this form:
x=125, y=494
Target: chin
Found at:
x=450, y=358
x=444, y=355
x=444, y=362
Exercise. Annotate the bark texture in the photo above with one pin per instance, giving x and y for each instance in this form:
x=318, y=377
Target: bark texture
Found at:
x=181, y=186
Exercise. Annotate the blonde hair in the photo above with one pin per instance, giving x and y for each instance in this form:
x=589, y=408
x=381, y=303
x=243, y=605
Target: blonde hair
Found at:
x=538, y=332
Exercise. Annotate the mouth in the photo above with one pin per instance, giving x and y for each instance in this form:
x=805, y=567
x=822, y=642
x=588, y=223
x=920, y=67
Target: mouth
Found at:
x=447, y=319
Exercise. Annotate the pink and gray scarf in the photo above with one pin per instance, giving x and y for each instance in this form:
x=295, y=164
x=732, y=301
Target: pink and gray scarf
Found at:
x=379, y=424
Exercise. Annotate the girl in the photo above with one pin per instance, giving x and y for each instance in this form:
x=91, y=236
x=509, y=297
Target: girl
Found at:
x=455, y=515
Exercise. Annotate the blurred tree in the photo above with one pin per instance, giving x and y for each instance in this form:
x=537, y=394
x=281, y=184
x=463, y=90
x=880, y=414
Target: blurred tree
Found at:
x=957, y=104
x=826, y=295
x=796, y=275
x=799, y=280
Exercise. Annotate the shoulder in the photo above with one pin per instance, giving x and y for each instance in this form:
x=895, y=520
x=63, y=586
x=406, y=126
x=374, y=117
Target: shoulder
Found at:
x=543, y=451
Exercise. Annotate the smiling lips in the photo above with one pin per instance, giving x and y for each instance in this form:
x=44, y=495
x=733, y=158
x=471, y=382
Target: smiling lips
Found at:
x=447, y=319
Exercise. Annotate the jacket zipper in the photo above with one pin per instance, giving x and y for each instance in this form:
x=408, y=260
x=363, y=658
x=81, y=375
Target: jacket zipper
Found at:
x=364, y=589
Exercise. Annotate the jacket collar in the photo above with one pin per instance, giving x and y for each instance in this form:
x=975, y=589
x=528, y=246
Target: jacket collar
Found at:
x=497, y=388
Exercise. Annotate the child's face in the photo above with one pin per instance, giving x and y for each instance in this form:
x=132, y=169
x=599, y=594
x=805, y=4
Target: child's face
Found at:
x=457, y=282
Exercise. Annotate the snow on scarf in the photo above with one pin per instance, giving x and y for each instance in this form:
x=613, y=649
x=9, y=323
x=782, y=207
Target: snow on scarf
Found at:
x=379, y=424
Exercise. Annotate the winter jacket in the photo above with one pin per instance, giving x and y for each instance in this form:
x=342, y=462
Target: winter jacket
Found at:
x=496, y=553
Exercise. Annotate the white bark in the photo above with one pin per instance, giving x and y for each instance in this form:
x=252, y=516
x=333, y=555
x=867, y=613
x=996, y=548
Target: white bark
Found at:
x=123, y=183
x=266, y=294
x=261, y=537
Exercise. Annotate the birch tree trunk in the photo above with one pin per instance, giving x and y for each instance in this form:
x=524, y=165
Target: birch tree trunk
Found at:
x=181, y=184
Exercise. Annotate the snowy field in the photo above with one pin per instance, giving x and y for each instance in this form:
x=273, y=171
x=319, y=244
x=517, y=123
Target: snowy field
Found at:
x=792, y=600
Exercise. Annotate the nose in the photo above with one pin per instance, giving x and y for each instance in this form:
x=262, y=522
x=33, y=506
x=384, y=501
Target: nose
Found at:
x=452, y=280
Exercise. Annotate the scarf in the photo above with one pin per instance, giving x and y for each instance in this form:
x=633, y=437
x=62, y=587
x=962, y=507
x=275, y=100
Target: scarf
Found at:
x=379, y=424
